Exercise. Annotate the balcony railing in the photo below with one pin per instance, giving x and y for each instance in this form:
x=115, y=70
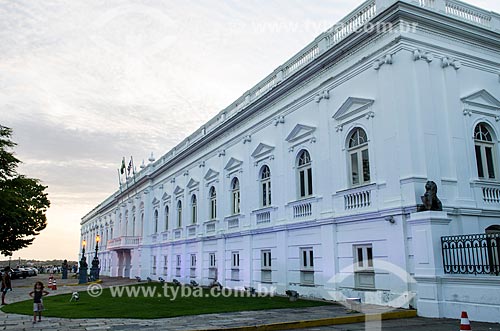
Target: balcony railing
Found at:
x=301, y=210
x=358, y=198
x=191, y=230
x=125, y=242
x=471, y=254
x=491, y=194
x=210, y=227
x=233, y=222
x=263, y=217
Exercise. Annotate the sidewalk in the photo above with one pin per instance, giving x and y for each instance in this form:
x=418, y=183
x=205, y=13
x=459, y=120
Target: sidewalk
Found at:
x=313, y=318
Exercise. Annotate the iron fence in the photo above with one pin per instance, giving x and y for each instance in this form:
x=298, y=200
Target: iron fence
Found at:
x=471, y=254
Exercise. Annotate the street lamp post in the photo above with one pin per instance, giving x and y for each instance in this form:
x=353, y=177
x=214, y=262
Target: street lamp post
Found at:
x=82, y=272
x=94, y=271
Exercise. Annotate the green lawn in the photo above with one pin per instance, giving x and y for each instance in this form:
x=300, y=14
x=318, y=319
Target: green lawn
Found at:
x=154, y=306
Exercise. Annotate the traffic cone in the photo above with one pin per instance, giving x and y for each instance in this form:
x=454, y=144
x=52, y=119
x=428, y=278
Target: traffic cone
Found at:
x=464, y=321
x=50, y=282
x=54, y=285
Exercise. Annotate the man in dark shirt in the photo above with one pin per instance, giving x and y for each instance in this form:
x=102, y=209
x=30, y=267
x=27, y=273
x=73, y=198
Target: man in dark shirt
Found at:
x=6, y=285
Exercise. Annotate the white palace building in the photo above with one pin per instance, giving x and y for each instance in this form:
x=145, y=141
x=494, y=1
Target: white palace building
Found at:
x=310, y=181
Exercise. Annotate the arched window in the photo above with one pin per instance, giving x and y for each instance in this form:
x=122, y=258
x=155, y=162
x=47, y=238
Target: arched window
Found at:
x=166, y=217
x=133, y=225
x=485, y=151
x=493, y=229
x=141, y=225
x=156, y=221
x=265, y=185
x=235, y=196
x=194, y=209
x=179, y=214
x=304, y=173
x=359, y=164
x=126, y=223
x=213, y=203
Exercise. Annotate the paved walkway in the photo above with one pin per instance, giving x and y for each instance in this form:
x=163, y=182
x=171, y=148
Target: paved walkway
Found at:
x=409, y=324
x=250, y=319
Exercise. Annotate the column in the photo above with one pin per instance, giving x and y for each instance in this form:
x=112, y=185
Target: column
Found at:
x=426, y=229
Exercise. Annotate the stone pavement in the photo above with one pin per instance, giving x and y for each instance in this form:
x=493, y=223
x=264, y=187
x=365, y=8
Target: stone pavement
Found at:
x=249, y=319
x=410, y=324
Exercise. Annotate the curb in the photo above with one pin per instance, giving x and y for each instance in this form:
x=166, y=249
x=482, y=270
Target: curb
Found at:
x=358, y=318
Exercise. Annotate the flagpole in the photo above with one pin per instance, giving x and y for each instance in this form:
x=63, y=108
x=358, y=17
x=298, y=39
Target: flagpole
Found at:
x=119, y=180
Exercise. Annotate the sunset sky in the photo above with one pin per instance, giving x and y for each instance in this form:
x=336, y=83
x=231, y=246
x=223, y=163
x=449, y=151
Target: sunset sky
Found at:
x=85, y=83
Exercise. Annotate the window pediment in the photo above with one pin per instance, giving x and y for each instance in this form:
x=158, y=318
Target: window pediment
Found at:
x=192, y=184
x=211, y=174
x=233, y=164
x=351, y=107
x=261, y=150
x=300, y=131
x=165, y=196
x=155, y=201
x=482, y=99
x=178, y=190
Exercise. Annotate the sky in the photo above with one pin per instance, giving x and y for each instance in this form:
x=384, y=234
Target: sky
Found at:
x=85, y=83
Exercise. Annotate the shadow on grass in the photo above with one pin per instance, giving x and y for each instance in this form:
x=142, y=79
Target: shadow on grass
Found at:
x=153, y=300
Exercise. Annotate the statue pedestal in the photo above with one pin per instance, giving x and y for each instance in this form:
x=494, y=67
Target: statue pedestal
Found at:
x=426, y=230
x=82, y=271
x=94, y=271
x=82, y=275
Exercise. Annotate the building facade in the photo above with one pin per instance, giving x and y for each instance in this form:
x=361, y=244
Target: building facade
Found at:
x=310, y=181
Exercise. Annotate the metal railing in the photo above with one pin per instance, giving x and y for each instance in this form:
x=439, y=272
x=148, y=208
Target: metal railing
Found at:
x=471, y=254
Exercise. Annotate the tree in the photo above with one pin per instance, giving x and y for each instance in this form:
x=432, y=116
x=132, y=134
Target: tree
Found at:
x=23, y=202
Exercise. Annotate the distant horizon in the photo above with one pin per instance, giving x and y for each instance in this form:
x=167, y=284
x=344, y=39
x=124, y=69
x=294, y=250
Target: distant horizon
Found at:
x=85, y=84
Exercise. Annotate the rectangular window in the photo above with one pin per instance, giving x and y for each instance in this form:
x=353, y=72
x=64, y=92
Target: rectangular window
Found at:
x=302, y=184
x=489, y=162
x=166, y=219
x=354, y=169
x=309, y=182
x=264, y=194
x=235, y=261
x=307, y=258
x=269, y=193
x=307, y=266
x=364, y=275
x=213, y=209
x=235, y=266
x=194, y=214
x=265, y=259
x=192, y=271
x=212, y=266
x=363, y=257
x=236, y=202
x=165, y=264
x=366, y=166
x=479, y=162
x=178, y=266
x=153, y=266
x=212, y=261
x=179, y=218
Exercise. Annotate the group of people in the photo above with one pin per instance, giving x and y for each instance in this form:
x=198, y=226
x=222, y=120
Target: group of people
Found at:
x=37, y=294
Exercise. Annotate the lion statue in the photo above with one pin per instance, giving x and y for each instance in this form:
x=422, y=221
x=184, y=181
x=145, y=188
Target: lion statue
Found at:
x=430, y=201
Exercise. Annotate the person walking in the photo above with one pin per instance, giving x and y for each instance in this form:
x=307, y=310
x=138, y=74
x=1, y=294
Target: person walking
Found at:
x=37, y=294
x=6, y=284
